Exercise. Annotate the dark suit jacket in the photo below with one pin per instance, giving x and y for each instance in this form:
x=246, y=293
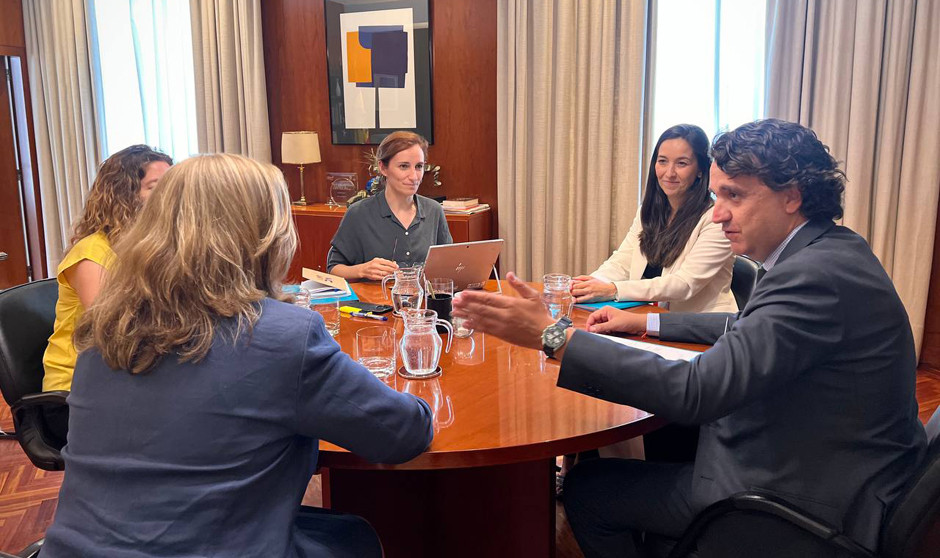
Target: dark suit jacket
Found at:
x=809, y=395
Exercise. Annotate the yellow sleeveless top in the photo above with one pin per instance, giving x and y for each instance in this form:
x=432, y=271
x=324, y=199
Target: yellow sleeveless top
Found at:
x=60, y=356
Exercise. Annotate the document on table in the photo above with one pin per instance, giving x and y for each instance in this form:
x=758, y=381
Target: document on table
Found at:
x=668, y=353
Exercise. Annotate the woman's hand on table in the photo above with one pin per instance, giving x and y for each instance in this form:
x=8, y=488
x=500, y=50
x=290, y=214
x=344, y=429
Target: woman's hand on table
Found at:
x=611, y=320
x=518, y=320
x=377, y=269
x=585, y=288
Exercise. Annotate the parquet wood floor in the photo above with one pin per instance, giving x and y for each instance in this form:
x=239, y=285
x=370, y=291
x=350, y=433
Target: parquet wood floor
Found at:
x=28, y=495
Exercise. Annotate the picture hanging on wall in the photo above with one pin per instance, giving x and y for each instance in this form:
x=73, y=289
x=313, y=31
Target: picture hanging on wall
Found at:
x=379, y=64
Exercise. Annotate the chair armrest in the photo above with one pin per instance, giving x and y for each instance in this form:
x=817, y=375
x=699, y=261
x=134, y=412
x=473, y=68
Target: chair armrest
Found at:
x=770, y=506
x=32, y=550
x=44, y=399
x=41, y=443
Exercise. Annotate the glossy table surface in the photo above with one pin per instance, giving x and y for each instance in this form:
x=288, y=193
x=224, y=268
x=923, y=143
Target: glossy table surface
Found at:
x=496, y=403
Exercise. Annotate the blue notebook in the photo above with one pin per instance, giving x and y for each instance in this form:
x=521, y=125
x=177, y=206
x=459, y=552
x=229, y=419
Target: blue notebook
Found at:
x=296, y=288
x=623, y=305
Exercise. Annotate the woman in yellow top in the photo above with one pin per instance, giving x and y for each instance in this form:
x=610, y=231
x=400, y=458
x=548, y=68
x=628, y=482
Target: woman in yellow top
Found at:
x=123, y=184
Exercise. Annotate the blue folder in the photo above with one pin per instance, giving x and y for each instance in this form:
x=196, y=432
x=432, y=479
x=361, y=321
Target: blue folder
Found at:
x=623, y=305
x=296, y=288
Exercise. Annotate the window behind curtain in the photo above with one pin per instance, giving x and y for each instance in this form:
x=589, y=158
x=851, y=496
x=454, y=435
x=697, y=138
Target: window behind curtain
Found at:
x=144, y=63
x=708, y=64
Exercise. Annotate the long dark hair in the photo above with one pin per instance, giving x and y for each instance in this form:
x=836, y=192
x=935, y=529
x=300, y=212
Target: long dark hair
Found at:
x=114, y=200
x=662, y=240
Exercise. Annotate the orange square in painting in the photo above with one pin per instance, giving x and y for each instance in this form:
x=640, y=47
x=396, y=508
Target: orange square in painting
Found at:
x=358, y=60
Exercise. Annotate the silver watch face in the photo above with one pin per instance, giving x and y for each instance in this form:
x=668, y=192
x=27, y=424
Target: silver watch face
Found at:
x=554, y=337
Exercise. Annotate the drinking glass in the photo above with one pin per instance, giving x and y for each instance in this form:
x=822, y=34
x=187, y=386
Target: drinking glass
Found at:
x=328, y=307
x=376, y=349
x=461, y=331
x=556, y=294
x=439, y=296
x=470, y=350
x=300, y=294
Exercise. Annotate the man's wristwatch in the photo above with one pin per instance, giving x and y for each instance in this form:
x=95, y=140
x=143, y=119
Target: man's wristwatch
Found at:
x=554, y=337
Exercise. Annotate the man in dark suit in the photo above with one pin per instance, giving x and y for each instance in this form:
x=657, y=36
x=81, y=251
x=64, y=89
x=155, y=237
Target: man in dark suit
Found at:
x=806, y=394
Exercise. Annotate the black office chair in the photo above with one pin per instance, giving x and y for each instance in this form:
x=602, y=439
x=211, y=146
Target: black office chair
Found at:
x=27, y=315
x=752, y=524
x=31, y=551
x=743, y=280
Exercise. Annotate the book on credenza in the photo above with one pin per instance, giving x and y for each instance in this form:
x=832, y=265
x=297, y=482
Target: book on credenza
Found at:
x=468, y=210
x=460, y=203
x=319, y=283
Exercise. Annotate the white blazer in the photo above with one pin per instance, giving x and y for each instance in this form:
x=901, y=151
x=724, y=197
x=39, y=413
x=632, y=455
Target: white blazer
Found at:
x=698, y=281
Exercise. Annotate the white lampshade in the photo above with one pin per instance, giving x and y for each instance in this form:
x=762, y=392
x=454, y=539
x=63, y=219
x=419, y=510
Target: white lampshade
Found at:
x=300, y=148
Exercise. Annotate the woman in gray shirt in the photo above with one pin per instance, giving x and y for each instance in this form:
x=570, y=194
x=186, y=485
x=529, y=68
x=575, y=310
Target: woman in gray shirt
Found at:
x=396, y=226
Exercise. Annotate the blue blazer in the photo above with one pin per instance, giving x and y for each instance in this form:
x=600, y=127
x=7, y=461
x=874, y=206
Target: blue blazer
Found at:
x=809, y=395
x=212, y=458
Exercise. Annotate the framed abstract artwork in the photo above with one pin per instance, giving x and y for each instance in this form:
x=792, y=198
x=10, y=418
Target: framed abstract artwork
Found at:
x=379, y=65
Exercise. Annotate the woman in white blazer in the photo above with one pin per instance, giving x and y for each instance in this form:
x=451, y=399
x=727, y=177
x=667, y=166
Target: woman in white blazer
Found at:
x=673, y=254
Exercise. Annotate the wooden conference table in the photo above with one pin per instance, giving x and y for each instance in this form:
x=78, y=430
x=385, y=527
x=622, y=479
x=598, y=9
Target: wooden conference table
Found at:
x=486, y=486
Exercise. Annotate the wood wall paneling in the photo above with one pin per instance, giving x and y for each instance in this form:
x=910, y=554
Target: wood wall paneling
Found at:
x=463, y=35
x=13, y=43
x=12, y=240
x=930, y=347
x=11, y=24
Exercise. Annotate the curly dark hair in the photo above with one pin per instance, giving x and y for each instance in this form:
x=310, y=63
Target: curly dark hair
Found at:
x=663, y=239
x=784, y=154
x=114, y=199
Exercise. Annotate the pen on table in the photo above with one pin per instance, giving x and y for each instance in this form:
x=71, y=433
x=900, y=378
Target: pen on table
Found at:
x=370, y=316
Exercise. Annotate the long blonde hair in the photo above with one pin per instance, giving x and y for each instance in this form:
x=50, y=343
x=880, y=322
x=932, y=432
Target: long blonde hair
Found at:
x=114, y=199
x=213, y=241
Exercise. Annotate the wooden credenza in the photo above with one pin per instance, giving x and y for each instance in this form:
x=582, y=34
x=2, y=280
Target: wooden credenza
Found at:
x=317, y=223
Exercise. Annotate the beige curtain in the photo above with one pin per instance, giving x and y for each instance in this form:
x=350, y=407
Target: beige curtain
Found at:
x=864, y=76
x=59, y=59
x=231, y=99
x=570, y=82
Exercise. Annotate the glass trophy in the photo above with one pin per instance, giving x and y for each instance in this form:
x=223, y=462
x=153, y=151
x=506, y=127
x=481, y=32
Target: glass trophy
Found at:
x=343, y=185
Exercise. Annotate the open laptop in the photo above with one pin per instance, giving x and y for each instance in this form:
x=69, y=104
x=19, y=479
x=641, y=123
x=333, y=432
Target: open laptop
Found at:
x=469, y=264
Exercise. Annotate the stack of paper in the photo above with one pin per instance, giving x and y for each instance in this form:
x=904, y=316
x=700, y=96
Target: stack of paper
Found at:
x=668, y=353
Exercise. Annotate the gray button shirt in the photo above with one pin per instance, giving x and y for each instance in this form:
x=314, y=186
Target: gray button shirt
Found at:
x=370, y=230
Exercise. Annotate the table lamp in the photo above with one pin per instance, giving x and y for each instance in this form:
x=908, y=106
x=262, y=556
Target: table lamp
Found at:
x=300, y=148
